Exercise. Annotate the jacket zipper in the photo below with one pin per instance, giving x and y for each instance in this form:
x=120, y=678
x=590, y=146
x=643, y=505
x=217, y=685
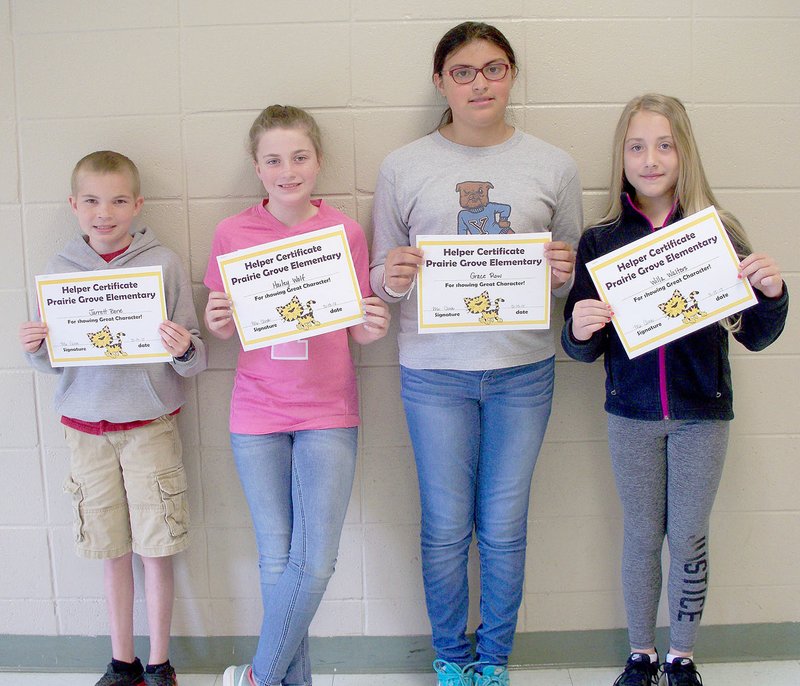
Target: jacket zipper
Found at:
x=662, y=353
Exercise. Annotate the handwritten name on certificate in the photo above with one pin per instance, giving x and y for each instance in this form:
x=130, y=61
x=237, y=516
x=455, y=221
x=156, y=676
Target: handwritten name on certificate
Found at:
x=293, y=288
x=483, y=283
x=679, y=279
x=109, y=316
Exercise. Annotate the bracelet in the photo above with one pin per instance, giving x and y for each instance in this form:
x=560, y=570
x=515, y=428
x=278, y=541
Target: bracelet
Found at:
x=187, y=355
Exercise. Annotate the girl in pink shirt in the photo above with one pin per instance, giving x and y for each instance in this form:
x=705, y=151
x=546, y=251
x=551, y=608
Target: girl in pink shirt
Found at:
x=294, y=409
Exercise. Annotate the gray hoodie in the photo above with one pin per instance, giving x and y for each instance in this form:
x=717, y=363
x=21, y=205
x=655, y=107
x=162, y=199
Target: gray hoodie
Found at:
x=127, y=392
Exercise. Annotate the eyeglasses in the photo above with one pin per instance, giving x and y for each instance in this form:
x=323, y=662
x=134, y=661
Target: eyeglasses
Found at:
x=492, y=72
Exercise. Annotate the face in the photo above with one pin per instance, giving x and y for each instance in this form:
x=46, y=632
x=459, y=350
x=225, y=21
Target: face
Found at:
x=650, y=157
x=287, y=165
x=482, y=102
x=105, y=207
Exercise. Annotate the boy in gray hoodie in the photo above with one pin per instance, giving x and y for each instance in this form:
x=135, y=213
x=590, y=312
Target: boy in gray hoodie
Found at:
x=127, y=478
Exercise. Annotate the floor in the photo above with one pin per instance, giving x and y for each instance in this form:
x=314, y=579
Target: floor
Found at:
x=731, y=674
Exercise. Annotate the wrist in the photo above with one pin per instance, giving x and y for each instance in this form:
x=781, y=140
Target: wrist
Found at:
x=188, y=355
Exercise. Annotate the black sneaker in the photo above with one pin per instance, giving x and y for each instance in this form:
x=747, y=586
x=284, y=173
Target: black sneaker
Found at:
x=163, y=675
x=639, y=671
x=682, y=672
x=112, y=678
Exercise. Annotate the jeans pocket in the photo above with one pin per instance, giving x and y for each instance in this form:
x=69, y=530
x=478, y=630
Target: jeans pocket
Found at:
x=172, y=485
x=74, y=489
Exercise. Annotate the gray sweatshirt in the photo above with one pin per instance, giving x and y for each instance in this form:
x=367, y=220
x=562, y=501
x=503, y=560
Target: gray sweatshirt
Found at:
x=430, y=187
x=127, y=392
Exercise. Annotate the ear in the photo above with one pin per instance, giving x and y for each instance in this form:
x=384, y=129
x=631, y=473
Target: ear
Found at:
x=137, y=205
x=439, y=83
x=73, y=203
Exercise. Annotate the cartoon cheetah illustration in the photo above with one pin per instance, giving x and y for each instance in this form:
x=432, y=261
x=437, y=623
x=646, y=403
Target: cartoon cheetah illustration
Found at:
x=104, y=340
x=294, y=311
x=678, y=305
x=482, y=304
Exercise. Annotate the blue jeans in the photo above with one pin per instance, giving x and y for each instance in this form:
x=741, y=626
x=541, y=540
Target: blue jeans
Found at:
x=476, y=437
x=297, y=486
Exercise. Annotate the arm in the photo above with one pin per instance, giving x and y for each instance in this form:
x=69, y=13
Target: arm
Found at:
x=180, y=334
x=764, y=322
x=566, y=229
x=588, y=339
x=394, y=261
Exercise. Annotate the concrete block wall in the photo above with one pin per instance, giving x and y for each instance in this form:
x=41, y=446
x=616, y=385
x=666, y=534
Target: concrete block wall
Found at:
x=175, y=84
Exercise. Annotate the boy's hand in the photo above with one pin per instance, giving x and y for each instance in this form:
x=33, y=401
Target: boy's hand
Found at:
x=31, y=335
x=763, y=273
x=400, y=268
x=561, y=258
x=589, y=316
x=219, y=315
x=174, y=337
x=377, y=321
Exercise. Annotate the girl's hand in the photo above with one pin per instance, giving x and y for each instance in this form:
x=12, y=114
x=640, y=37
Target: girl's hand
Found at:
x=763, y=273
x=219, y=315
x=589, y=316
x=400, y=268
x=377, y=321
x=174, y=337
x=561, y=258
x=31, y=335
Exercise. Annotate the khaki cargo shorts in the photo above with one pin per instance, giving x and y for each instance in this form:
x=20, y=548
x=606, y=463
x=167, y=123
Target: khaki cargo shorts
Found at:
x=128, y=491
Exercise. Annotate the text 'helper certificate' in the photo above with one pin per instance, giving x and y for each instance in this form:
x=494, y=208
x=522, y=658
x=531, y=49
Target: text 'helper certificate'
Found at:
x=292, y=288
x=102, y=317
x=483, y=283
x=679, y=279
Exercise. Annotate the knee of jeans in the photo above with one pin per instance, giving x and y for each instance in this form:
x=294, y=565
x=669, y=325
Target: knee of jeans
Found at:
x=505, y=539
x=316, y=570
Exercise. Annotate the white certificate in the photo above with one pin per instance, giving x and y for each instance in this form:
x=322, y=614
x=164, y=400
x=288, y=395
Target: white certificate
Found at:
x=679, y=279
x=103, y=317
x=483, y=283
x=292, y=288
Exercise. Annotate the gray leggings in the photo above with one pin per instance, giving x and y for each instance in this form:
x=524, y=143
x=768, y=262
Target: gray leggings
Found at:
x=667, y=475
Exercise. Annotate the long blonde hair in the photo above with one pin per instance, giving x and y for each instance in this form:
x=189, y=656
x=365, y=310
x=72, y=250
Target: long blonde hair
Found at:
x=692, y=191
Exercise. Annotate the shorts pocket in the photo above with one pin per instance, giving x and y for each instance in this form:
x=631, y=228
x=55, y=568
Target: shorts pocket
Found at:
x=172, y=486
x=74, y=489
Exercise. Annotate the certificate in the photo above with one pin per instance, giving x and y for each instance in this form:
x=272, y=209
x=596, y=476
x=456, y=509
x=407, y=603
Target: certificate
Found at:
x=483, y=283
x=292, y=288
x=679, y=279
x=103, y=317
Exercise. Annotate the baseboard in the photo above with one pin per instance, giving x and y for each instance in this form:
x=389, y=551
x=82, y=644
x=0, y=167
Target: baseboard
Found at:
x=397, y=654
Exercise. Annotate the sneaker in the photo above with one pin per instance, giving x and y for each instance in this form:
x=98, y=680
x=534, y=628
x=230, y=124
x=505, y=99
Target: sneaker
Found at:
x=240, y=675
x=682, y=672
x=492, y=675
x=449, y=674
x=112, y=678
x=639, y=671
x=164, y=675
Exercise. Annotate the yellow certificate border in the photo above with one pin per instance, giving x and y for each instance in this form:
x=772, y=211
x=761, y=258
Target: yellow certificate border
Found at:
x=525, y=238
x=111, y=275
x=279, y=246
x=659, y=237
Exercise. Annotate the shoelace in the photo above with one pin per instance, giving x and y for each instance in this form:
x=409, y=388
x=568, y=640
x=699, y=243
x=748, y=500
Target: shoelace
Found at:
x=453, y=674
x=482, y=679
x=683, y=675
x=634, y=672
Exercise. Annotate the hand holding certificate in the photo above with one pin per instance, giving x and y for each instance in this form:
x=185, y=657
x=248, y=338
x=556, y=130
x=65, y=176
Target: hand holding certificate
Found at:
x=483, y=283
x=666, y=285
x=293, y=288
x=103, y=317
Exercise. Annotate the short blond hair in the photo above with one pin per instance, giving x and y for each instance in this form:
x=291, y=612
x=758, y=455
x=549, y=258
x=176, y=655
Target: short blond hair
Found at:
x=106, y=162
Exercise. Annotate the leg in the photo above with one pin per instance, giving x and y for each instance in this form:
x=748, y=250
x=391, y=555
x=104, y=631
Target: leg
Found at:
x=515, y=407
x=118, y=583
x=159, y=596
x=264, y=464
x=696, y=454
x=638, y=457
x=322, y=468
x=444, y=421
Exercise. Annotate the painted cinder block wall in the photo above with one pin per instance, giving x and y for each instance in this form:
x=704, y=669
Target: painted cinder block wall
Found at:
x=175, y=84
